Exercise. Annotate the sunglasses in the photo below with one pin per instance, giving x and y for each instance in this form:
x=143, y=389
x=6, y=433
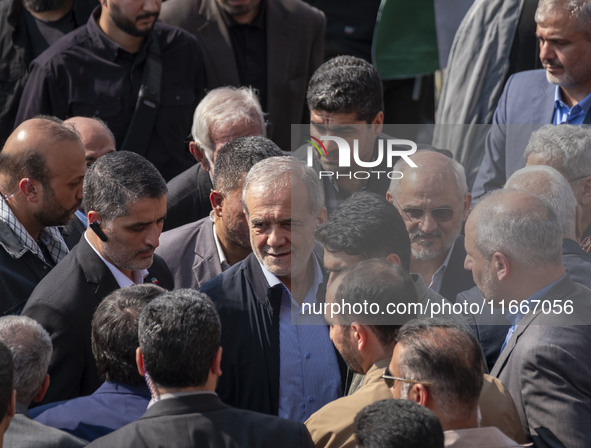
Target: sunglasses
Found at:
x=391, y=380
x=442, y=214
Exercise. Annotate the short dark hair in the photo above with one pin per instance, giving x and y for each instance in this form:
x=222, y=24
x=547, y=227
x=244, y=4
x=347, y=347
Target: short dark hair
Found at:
x=367, y=225
x=397, y=423
x=6, y=378
x=447, y=355
x=114, y=332
x=381, y=282
x=346, y=84
x=179, y=334
x=31, y=162
x=237, y=157
x=118, y=180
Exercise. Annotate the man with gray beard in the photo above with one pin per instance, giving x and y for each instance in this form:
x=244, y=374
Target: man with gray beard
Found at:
x=27, y=28
x=434, y=201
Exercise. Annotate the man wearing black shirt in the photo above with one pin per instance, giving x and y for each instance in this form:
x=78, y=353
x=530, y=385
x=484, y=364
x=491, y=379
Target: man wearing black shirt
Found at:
x=98, y=69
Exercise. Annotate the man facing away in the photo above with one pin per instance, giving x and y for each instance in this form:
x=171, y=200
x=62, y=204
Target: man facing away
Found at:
x=180, y=354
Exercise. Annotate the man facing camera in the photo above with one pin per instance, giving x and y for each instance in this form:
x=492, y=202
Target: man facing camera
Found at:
x=125, y=200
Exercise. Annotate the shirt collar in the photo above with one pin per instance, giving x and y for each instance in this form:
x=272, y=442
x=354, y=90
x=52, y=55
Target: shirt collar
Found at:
x=257, y=22
x=170, y=395
x=437, y=278
x=566, y=114
x=122, y=280
x=218, y=246
x=517, y=317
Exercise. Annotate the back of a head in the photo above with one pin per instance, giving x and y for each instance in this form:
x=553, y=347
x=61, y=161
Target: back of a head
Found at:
x=118, y=180
x=448, y=356
x=236, y=159
x=397, y=423
x=368, y=225
x=552, y=187
x=114, y=332
x=380, y=284
x=6, y=379
x=346, y=84
x=564, y=147
x=519, y=225
x=31, y=349
x=275, y=174
x=179, y=334
x=225, y=106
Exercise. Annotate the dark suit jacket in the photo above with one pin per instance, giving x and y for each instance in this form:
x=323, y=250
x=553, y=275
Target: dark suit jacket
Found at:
x=203, y=420
x=526, y=104
x=191, y=254
x=547, y=369
x=63, y=303
x=491, y=330
x=187, y=199
x=110, y=407
x=456, y=278
x=295, y=37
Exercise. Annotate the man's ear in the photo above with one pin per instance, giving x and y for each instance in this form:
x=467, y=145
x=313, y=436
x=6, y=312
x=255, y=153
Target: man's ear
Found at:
x=419, y=394
x=42, y=389
x=502, y=265
x=216, y=365
x=466, y=206
x=393, y=258
x=199, y=155
x=377, y=124
x=217, y=202
x=139, y=360
x=30, y=189
x=93, y=216
x=321, y=216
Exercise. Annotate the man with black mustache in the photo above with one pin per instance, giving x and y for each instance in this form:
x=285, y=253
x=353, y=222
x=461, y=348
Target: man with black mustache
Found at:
x=129, y=70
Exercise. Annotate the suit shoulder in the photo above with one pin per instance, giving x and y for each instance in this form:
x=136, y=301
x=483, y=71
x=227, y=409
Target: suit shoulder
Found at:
x=527, y=80
x=304, y=9
x=183, y=235
x=74, y=39
x=173, y=35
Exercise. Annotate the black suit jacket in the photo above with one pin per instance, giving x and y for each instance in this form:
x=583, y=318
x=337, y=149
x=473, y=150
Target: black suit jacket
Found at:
x=203, y=420
x=188, y=197
x=73, y=232
x=295, y=40
x=456, y=279
x=63, y=303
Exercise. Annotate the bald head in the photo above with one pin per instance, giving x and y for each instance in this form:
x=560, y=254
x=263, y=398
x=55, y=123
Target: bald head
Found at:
x=518, y=224
x=96, y=137
x=550, y=185
x=29, y=148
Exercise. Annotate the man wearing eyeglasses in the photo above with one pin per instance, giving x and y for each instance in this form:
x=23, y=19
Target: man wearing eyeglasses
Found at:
x=440, y=366
x=365, y=340
x=434, y=201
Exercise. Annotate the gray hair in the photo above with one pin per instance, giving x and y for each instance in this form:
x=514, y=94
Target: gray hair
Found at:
x=221, y=107
x=31, y=349
x=118, y=180
x=579, y=10
x=277, y=173
x=566, y=148
x=446, y=168
x=552, y=187
x=528, y=234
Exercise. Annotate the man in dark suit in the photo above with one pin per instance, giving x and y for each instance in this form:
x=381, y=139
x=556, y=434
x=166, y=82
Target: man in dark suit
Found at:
x=98, y=140
x=180, y=353
x=273, y=46
x=124, y=396
x=197, y=252
x=279, y=360
x=513, y=241
x=222, y=115
x=125, y=199
x=434, y=201
x=559, y=93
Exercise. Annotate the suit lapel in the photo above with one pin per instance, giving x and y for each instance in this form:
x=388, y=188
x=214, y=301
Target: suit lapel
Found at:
x=206, y=262
x=542, y=106
x=95, y=270
x=217, y=46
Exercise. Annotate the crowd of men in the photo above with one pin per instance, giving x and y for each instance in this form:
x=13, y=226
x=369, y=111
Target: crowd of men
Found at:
x=239, y=287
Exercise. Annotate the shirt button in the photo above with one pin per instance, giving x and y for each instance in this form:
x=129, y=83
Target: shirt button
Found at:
x=307, y=355
x=311, y=399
